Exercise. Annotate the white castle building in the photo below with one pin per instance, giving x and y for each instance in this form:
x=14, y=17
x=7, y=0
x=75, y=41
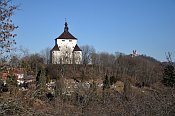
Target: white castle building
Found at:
x=66, y=50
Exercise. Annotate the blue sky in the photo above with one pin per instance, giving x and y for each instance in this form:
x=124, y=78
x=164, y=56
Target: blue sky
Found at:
x=147, y=26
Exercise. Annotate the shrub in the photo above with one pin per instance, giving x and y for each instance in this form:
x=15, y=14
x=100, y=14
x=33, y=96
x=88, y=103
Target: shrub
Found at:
x=169, y=75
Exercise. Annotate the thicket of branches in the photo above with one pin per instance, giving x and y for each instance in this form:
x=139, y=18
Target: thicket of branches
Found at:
x=6, y=26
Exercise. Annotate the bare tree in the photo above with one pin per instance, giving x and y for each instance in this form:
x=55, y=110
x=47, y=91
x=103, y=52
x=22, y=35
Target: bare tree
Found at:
x=45, y=53
x=32, y=63
x=87, y=53
x=23, y=51
x=6, y=26
x=14, y=61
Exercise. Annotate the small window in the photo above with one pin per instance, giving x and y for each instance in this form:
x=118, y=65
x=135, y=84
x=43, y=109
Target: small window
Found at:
x=63, y=40
x=70, y=40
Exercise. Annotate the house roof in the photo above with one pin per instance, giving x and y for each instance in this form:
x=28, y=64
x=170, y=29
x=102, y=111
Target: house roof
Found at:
x=55, y=48
x=76, y=48
x=66, y=34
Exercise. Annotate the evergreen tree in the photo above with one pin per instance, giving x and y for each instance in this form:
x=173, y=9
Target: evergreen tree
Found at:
x=106, y=83
x=169, y=75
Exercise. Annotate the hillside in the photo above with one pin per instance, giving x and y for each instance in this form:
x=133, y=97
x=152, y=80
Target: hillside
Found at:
x=129, y=86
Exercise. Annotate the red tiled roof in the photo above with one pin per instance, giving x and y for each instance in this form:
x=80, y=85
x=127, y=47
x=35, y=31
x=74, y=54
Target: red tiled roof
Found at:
x=55, y=48
x=77, y=48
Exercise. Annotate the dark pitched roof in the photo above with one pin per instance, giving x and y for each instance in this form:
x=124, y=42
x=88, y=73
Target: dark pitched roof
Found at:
x=55, y=48
x=76, y=48
x=66, y=34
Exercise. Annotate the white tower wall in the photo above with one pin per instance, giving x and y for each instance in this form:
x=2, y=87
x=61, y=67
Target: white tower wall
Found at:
x=77, y=57
x=56, y=57
x=64, y=43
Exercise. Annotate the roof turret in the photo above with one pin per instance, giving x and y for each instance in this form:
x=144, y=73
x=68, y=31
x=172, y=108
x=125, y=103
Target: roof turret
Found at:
x=66, y=26
x=66, y=34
